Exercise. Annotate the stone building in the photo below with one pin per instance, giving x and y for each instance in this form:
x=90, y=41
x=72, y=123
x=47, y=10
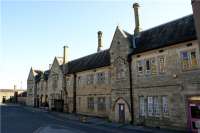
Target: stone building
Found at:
x=196, y=10
x=11, y=95
x=166, y=74
x=148, y=78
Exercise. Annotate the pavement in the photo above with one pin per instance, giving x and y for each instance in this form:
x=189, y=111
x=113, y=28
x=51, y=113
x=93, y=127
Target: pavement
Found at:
x=24, y=119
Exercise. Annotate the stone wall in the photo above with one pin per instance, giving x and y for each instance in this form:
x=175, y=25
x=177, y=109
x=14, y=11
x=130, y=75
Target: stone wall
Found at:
x=175, y=83
x=120, y=75
x=95, y=88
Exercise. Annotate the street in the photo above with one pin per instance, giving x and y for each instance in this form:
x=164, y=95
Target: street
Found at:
x=16, y=119
x=20, y=119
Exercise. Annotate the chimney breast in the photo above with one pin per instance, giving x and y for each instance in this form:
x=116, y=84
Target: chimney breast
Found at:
x=100, y=45
x=65, y=54
x=196, y=12
x=137, y=22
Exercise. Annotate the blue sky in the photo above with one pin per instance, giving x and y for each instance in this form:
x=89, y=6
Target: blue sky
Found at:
x=34, y=32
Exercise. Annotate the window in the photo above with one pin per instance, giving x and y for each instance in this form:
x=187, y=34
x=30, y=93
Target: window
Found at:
x=161, y=64
x=148, y=66
x=142, y=106
x=153, y=66
x=90, y=103
x=156, y=106
x=90, y=79
x=101, y=77
x=189, y=59
x=150, y=106
x=101, y=104
x=140, y=67
x=79, y=80
x=193, y=59
x=165, y=105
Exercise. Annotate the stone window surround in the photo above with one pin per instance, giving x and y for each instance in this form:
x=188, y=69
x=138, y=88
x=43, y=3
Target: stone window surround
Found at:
x=189, y=58
x=152, y=60
x=160, y=107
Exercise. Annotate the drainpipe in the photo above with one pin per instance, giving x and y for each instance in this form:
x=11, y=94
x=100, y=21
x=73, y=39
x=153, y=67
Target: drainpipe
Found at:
x=131, y=89
x=74, y=94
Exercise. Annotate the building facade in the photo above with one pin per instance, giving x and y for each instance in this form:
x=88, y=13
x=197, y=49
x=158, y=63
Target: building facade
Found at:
x=148, y=78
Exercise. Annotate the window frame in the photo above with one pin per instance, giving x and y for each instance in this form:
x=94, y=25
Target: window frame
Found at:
x=188, y=60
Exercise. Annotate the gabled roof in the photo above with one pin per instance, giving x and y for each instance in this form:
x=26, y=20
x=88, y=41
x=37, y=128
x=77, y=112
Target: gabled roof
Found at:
x=60, y=60
x=96, y=60
x=174, y=32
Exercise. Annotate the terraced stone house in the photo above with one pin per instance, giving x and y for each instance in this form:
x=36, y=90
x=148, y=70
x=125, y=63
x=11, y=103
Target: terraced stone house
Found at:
x=151, y=77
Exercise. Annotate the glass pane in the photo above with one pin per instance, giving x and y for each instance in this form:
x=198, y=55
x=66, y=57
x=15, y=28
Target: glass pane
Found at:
x=185, y=60
x=193, y=59
x=195, y=112
x=185, y=55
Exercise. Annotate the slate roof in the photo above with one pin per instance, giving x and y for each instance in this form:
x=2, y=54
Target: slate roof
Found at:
x=46, y=74
x=96, y=60
x=177, y=31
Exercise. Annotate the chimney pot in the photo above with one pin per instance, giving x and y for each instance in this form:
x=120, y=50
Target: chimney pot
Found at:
x=100, y=44
x=65, y=54
x=196, y=14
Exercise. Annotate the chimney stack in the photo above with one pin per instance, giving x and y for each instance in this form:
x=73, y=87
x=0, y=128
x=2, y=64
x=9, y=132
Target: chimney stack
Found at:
x=137, y=22
x=196, y=12
x=100, y=41
x=65, y=54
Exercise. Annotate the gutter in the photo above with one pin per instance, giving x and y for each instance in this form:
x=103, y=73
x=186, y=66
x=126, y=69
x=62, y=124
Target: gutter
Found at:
x=131, y=89
x=74, y=93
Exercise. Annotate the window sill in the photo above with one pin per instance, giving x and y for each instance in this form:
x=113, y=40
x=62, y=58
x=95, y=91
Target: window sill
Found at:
x=190, y=69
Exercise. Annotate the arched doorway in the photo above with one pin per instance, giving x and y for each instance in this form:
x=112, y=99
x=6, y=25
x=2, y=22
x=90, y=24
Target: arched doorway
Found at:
x=121, y=110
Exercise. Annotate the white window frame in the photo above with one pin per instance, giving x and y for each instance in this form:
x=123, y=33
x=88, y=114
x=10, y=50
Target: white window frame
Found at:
x=165, y=106
x=156, y=106
x=150, y=105
x=161, y=63
x=142, y=106
x=140, y=64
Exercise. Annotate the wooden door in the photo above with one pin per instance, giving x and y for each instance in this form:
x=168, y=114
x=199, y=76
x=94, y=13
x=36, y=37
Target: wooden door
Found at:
x=121, y=113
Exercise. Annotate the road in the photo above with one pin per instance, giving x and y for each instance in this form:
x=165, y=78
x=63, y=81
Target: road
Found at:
x=17, y=119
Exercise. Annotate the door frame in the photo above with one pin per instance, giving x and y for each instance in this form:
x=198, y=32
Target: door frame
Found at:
x=190, y=119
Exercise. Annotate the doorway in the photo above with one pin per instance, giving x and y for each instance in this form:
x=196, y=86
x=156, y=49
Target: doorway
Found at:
x=121, y=113
x=194, y=114
x=4, y=99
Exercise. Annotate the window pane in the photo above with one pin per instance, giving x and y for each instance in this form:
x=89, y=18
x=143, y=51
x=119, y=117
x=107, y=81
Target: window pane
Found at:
x=156, y=106
x=101, y=104
x=90, y=103
x=165, y=105
x=150, y=106
x=185, y=60
x=153, y=66
x=193, y=59
x=142, y=105
x=195, y=112
x=147, y=65
x=140, y=66
x=161, y=64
